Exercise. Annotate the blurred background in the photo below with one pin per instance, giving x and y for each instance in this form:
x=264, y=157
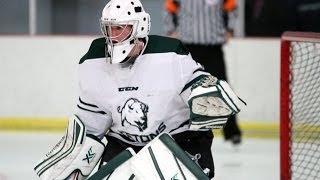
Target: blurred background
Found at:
x=42, y=41
x=266, y=18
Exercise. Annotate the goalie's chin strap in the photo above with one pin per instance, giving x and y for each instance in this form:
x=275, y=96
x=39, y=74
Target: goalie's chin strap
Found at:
x=73, y=157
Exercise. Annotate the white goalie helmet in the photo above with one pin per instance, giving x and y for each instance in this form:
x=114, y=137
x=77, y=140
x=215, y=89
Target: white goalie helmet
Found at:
x=123, y=15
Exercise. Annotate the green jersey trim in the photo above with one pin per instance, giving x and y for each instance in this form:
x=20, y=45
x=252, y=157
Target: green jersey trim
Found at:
x=156, y=44
x=162, y=44
x=96, y=50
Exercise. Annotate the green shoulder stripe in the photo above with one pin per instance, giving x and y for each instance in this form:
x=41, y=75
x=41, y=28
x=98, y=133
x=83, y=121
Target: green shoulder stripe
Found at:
x=156, y=44
x=96, y=50
x=162, y=44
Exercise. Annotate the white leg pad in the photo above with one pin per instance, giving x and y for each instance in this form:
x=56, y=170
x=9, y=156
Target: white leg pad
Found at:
x=117, y=168
x=162, y=158
x=75, y=155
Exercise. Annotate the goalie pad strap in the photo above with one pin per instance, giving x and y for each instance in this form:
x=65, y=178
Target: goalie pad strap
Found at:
x=75, y=152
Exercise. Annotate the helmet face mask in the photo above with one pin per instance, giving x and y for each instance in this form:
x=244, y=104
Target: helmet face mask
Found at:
x=123, y=23
x=117, y=33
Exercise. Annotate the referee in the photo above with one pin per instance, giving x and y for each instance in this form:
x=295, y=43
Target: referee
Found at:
x=204, y=26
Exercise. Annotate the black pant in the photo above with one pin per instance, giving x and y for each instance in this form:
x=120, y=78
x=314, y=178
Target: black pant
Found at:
x=212, y=59
x=193, y=142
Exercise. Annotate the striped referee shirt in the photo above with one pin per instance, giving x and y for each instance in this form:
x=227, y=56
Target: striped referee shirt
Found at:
x=202, y=22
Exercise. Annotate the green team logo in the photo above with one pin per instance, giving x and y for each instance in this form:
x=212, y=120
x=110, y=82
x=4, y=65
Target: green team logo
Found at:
x=134, y=113
x=89, y=156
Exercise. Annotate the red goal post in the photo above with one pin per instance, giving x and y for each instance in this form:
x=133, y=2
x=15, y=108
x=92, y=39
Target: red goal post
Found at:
x=300, y=106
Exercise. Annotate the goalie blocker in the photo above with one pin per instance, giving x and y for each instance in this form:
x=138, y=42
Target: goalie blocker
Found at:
x=211, y=103
x=73, y=157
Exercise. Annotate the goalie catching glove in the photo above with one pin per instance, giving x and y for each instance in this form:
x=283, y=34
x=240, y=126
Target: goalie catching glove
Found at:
x=74, y=157
x=211, y=103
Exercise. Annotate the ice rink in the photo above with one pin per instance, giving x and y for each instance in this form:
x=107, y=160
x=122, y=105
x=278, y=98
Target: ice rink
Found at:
x=254, y=159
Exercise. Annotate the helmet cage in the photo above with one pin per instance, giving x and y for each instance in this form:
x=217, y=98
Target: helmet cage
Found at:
x=116, y=34
x=118, y=49
x=121, y=13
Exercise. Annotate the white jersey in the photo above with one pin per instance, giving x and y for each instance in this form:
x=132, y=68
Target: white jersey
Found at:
x=136, y=103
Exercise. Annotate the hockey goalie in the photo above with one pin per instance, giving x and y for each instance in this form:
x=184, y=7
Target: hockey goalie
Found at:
x=134, y=87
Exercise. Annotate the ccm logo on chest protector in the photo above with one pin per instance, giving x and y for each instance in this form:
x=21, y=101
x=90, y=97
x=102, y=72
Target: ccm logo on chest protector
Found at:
x=128, y=89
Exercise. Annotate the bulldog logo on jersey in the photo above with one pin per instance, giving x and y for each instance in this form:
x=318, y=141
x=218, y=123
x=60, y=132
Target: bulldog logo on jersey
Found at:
x=134, y=112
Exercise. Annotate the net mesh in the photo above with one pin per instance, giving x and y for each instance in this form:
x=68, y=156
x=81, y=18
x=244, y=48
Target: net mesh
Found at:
x=305, y=110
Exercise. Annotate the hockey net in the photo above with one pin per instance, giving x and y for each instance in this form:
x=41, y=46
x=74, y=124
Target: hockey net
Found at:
x=300, y=106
